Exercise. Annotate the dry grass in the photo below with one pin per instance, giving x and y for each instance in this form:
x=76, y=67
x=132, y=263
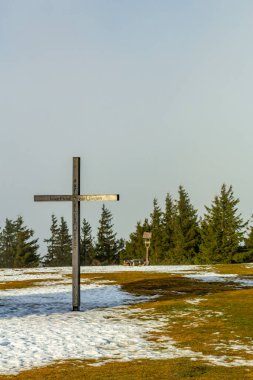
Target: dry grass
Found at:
x=240, y=269
x=23, y=284
x=219, y=325
x=124, y=277
x=38, y=273
x=179, y=369
x=221, y=321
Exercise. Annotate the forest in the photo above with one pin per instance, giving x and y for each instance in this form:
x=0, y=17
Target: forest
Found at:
x=179, y=236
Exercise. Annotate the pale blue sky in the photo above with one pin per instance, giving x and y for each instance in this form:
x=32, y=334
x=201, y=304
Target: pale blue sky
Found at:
x=150, y=94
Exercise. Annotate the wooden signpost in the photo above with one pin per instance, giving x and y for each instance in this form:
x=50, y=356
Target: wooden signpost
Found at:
x=75, y=198
x=147, y=238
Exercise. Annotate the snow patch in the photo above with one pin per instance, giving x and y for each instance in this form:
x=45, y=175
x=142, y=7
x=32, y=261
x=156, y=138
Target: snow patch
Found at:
x=211, y=277
x=216, y=277
x=38, y=327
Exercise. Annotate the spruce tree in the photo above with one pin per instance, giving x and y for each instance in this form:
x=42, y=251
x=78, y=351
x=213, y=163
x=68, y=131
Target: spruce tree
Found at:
x=8, y=244
x=120, y=250
x=64, y=245
x=249, y=239
x=26, y=255
x=87, y=250
x=168, y=227
x=106, y=244
x=222, y=228
x=156, y=229
x=135, y=248
x=245, y=253
x=186, y=233
x=51, y=256
x=17, y=248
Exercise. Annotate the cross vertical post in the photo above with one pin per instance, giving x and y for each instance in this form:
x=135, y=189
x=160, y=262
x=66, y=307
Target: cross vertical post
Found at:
x=76, y=198
x=76, y=236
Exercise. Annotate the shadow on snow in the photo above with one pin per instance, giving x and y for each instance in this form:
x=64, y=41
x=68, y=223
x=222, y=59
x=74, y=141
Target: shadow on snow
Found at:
x=61, y=302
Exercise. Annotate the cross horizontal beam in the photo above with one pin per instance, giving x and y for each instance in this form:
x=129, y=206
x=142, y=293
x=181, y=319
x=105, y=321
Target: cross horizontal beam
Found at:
x=76, y=198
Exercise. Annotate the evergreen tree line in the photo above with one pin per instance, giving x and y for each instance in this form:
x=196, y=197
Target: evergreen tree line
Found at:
x=103, y=250
x=18, y=248
x=180, y=236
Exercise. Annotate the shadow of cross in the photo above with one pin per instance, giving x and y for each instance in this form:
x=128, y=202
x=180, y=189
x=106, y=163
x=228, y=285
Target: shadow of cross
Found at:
x=75, y=198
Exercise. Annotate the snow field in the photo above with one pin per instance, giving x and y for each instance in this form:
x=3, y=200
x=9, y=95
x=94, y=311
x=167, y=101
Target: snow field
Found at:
x=37, y=326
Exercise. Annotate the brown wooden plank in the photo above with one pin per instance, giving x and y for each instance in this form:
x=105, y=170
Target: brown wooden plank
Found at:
x=52, y=198
x=99, y=197
x=76, y=198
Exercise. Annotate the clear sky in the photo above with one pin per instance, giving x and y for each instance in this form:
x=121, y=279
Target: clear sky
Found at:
x=150, y=95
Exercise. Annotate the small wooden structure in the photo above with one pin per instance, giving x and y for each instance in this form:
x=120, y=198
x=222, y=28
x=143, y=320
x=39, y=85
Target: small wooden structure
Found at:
x=133, y=262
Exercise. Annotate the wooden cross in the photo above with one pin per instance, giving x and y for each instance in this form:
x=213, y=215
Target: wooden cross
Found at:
x=75, y=198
